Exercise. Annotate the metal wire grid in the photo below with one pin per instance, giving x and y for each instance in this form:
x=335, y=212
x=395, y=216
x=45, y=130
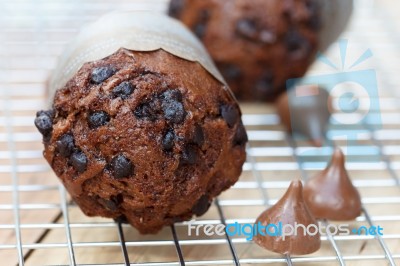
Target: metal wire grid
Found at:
x=270, y=151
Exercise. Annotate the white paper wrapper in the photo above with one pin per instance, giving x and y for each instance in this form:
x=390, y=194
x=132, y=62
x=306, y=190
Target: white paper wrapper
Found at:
x=335, y=15
x=133, y=30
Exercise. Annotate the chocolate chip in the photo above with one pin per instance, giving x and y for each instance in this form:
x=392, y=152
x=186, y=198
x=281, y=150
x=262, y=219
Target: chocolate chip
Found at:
x=297, y=45
x=189, y=155
x=198, y=136
x=175, y=8
x=174, y=111
x=79, y=161
x=230, y=114
x=147, y=111
x=200, y=28
x=98, y=119
x=108, y=204
x=65, y=145
x=293, y=41
x=264, y=86
x=44, y=122
x=247, y=28
x=230, y=72
x=240, y=137
x=49, y=113
x=168, y=140
x=202, y=205
x=113, y=203
x=172, y=106
x=121, y=166
x=100, y=74
x=169, y=104
x=123, y=90
x=175, y=95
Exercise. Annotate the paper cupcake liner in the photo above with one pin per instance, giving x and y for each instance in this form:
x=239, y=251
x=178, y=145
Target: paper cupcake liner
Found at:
x=133, y=30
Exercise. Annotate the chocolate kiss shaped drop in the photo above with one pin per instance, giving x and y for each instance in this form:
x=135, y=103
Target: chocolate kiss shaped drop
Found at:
x=305, y=110
x=330, y=194
x=290, y=209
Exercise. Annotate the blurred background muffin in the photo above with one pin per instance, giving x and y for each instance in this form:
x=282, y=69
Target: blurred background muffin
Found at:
x=257, y=45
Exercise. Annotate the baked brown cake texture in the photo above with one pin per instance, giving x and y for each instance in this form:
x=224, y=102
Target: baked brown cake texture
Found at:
x=144, y=137
x=256, y=44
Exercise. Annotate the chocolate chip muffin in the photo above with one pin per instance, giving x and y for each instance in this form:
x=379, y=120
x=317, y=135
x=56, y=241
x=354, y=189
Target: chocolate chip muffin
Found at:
x=144, y=137
x=257, y=45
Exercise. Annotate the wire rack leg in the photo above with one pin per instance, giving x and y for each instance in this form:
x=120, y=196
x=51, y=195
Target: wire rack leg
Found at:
x=231, y=247
x=177, y=246
x=64, y=209
x=123, y=246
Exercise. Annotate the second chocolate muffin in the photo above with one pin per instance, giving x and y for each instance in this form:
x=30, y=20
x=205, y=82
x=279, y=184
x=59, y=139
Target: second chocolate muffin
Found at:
x=144, y=137
x=256, y=44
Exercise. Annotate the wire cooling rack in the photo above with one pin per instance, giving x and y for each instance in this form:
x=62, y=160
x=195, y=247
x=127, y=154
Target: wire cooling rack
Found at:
x=39, y=225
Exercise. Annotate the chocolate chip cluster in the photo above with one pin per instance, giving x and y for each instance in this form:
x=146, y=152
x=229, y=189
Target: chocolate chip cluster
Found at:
x=120, y=165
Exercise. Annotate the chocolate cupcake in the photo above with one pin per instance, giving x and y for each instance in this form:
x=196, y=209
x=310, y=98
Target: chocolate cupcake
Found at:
x=258, y=45
x=146, y=137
